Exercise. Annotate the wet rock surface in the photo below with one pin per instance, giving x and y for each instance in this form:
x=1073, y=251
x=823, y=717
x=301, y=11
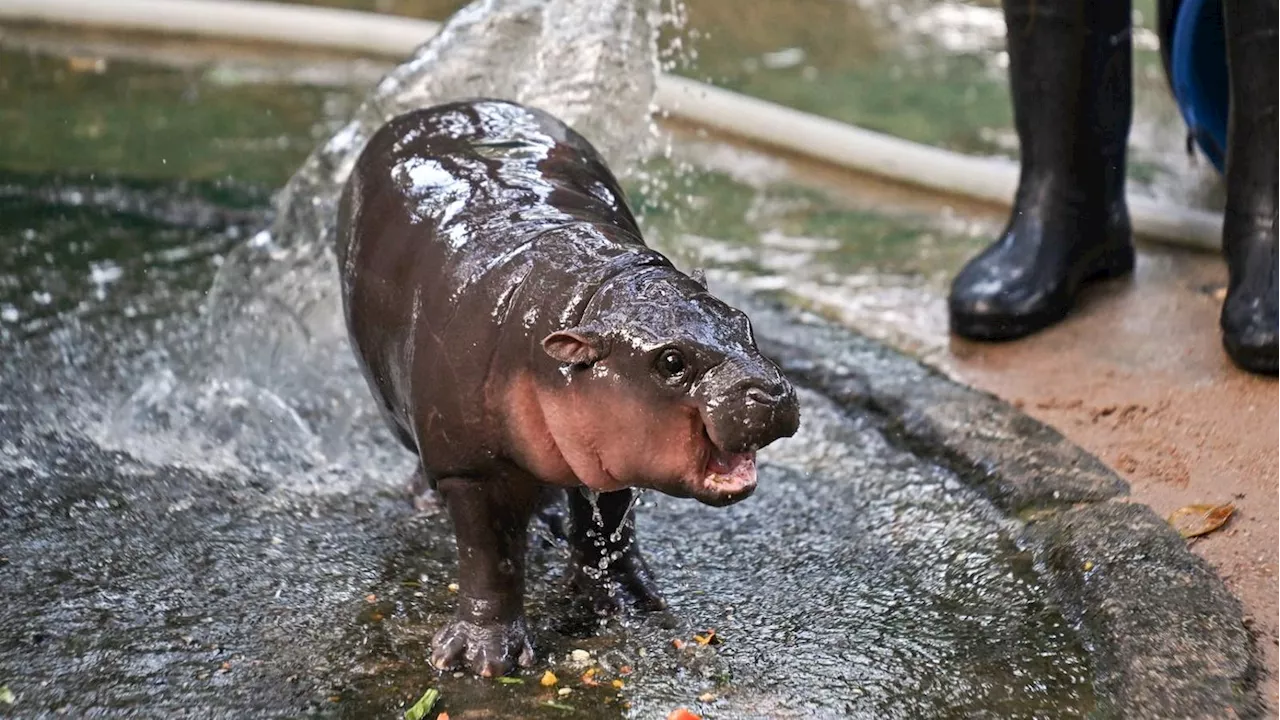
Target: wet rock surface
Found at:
x=234, y=540
x=860, y=581
x=1164, y=635
x=876, y=573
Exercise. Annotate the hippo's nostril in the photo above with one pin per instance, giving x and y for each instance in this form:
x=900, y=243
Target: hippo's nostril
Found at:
x=761, y=396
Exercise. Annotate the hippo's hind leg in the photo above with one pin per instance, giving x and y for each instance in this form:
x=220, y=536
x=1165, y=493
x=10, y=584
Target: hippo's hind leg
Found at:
x=488, y=635
x=607, y=567
x=553, y=512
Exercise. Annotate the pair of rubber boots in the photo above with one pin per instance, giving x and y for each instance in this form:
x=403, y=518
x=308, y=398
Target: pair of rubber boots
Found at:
x=1070, y=69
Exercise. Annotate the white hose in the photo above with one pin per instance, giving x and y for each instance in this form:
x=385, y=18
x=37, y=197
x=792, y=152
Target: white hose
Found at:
x=238, y=19
x=988, y=179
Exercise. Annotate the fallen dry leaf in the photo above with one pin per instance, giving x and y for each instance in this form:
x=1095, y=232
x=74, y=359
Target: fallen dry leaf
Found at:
x=1195, y=520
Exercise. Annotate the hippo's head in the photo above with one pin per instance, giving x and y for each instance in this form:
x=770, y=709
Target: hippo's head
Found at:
x=666, y=389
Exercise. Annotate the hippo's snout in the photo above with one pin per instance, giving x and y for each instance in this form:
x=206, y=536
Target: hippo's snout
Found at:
x=772, y=409
x=753, y=412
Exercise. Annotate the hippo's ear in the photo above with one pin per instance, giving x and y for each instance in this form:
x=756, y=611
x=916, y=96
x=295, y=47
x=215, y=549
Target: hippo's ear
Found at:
x=575, y=346
x=699, y=276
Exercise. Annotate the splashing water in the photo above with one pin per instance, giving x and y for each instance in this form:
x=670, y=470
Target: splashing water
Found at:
x=270, y=382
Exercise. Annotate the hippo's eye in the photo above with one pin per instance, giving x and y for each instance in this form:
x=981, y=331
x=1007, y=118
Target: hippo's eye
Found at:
x=671, y=363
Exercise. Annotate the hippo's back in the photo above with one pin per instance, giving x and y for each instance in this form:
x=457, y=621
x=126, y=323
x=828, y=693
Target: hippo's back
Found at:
x=476, y=176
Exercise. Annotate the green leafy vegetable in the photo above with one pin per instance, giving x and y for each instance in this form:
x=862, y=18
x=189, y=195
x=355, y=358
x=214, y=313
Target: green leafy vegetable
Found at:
x=6, y=695
x=423, y=706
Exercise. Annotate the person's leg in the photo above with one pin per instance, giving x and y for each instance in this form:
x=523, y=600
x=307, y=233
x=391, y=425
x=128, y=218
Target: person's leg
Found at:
x=1248, y=320
x=1070, y=69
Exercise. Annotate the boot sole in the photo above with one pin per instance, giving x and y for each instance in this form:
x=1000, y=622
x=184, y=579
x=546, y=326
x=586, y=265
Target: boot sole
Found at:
x=1257, y=360
x=988, y=327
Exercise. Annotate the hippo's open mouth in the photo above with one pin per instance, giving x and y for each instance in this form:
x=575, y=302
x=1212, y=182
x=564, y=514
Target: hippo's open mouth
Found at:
x=727, y=477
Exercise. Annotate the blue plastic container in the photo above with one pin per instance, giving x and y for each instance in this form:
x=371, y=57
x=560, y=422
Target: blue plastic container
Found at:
x=1197, y=65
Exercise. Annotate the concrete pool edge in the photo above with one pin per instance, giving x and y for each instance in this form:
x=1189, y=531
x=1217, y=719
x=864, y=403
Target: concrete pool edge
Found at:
x=1165, y=635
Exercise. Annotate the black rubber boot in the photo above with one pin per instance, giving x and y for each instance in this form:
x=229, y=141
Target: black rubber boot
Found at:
x=1249, y=321
x=1070, y=70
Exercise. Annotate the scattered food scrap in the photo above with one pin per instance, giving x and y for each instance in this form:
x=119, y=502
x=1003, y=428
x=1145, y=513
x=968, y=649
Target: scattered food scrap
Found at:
x=589, y=678
x=558, y=706
x=6, y=695
x=707, y=697
x=371, y=598
x=420, y=709
x=548, y=679
x=453, y=587
x=683, y=714
x=1195, y=520
x=443, y=716
x=618, y=684
x=707, y=638
x=511, y=680
x=564, y=692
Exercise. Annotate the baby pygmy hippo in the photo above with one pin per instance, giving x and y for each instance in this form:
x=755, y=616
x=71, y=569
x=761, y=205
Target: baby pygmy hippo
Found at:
x=520, y=335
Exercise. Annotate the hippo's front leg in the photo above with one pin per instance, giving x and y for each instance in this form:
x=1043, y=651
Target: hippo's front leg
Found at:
x=488, y=634
x=604, y=535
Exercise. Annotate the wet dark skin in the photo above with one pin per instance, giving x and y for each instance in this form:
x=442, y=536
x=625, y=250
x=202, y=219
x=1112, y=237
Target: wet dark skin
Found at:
x=1070, y=74
x=526, y=344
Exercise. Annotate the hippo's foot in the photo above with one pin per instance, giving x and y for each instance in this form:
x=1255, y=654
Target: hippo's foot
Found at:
x=486, y=649
x=624, y=585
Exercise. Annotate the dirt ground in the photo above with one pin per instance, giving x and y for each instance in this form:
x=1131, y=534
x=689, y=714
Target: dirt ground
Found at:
x=1137, y=376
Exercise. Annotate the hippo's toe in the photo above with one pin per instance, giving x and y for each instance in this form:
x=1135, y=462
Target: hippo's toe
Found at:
x=486, y=649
